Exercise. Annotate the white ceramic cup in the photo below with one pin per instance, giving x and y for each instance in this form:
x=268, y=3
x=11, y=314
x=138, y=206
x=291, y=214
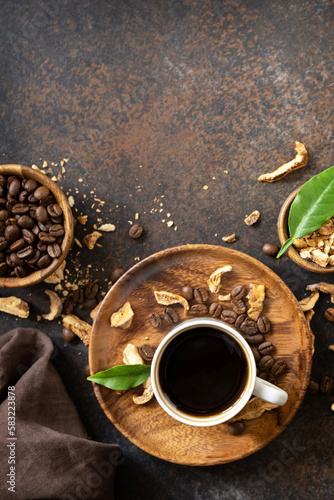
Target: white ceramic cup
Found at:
x=254, y=385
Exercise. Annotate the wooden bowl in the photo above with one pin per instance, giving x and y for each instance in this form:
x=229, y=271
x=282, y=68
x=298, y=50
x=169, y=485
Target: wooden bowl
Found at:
x=44, y=180
x=283, y=234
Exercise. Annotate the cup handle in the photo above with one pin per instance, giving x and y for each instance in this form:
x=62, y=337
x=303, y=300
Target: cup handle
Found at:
x=269, y=392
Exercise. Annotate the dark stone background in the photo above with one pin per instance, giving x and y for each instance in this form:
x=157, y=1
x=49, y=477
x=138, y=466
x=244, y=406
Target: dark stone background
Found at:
x=150, y=101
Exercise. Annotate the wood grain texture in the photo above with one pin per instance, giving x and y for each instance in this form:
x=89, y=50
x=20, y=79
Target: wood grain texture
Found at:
x=148, y=426
x=37, y=276
x=283, y=234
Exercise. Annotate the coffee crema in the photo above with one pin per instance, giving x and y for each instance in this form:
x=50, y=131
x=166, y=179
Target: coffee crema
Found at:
x=203, y=371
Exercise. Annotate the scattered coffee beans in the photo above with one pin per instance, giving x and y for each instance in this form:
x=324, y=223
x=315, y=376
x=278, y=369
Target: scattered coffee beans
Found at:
x=116, y=274
x=201, y=295
x=31, y=227
x=326, y=385
x=198, y=310
x=279, y=367
x=215, y=310
x=313, y=387
x=170, y=315
x=270, y=249
x=68, y=335
x=329, y=314
x=187, y=292
x=147, y=352
x=136, y=231
x=236, y=428
x=155, y=320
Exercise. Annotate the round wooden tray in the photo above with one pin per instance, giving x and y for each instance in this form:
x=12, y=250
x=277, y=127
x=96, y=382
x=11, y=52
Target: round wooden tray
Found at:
x=148, y=426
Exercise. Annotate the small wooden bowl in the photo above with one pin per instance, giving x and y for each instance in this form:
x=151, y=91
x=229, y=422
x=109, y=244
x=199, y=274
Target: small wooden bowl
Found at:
x=44, y=180
x=283, y=234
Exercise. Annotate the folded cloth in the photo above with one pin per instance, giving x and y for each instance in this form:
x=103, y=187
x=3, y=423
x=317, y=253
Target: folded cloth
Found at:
x=46, y=453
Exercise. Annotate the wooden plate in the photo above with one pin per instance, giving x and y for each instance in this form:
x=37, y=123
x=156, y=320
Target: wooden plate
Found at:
x=148, y=426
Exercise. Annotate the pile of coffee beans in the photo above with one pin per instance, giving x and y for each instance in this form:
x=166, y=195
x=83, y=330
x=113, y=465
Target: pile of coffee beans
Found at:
x=254, y=332
x=31, y=227
x=82, y=297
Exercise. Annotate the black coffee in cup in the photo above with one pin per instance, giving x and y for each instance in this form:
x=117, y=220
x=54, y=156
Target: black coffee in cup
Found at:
x=203, y=371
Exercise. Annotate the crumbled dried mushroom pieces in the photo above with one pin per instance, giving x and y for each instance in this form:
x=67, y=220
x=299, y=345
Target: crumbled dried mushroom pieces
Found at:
x=123, y=317
x=15, y=306
x=318, y=246
x=214, y=281
x=299, y=161
x=231, y=238
x=131, y=356
x=91, y=239
x=56, y=306
x=256, y=300
x=168, y=298
x=252, y=218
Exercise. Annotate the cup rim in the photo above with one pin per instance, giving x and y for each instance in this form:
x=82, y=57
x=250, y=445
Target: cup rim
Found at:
x=236, y=407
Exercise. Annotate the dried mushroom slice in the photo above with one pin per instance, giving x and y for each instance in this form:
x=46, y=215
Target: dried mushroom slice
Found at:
x=123, y=317
x=225, y=298
x=231, y=238
x=91, y=239
x=252, y=218
x=15, y=306
x=308, y=303
x=168, y=298
x=256, y=299
x=214, y=281
x=322, y=287
x=56, y=306
x=319, y=257
x=253, y=409
x=57, y=276
x=308, y=316
x=131, y=356
x=93, y=313
x=299, y=161
x=82, y=329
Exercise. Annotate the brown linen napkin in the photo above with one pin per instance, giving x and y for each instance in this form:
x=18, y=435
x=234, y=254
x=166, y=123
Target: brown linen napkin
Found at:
x=51, y=455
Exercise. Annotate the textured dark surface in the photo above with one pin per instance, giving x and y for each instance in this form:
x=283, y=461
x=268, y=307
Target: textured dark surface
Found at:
x=151, y=101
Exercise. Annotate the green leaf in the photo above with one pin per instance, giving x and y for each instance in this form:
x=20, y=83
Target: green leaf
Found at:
x=312, y=207
x=122, y=377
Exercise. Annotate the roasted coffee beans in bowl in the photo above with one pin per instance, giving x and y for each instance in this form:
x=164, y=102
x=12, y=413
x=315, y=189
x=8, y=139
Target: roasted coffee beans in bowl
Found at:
x=36, y=226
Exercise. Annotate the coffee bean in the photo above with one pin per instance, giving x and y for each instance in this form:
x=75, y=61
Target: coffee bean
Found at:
x=17, y=245
x=201, y=295
x=3, y=180
x=2, y=257
x=239, y=292
x=78, y=296
x=3, y=201
x=16, y=260
x=42, y=246
x=329, y=314
x=57, y=220
x=3, y=268
x=44, y=226
x=238, y=306
x=270, y=249
x=14, y=188
x=57, y=230
x=68, y=335
x=54, y=210
x=269, y=377
x=326, y=385
x=41, y=214
x=265, y=347
x=313, y=387
x=12, y=233
x=25, y=221
x=136, y=231
x=23, y=196
x=47, y=200
x=91, y=290
x=28, y=236
x=170, y=315
x=54, y=250
x=2, y=226
x=9, y=260
x=249, y=327
x=266, y=363
x=41, y=192
x=4, y=214
x=89, y=304
x=240, y=319
x=30, y=185
x=236, y=428
x=44, y=261
x=263, y=324
x=187, y=292
x=229, y=317
x=26, y=253
x=256, y=354
x=215, y=310
x=155, y=320
x=32, y=201
x=46, y=237
x=20, y=272
x=255, y=339
x=116, y=274
x=198, y=310
x=11, y=221
x=147, y=352
x=279, y=368
x=20, y=209
x=68, y=305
